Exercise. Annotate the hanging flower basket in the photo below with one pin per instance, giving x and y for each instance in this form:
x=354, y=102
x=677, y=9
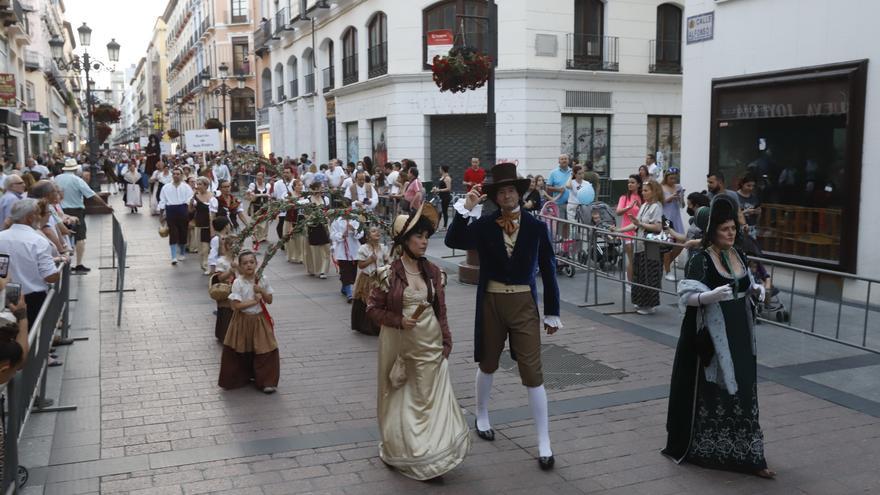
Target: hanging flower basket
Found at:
x=102, y=132
x=106, y=114
x=462, y=69
x=213, y=124
x=173, y=133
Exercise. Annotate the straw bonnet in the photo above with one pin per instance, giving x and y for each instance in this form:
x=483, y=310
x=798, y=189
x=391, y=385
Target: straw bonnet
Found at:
x=70, y=165
x=404, y=223
x=504, y=174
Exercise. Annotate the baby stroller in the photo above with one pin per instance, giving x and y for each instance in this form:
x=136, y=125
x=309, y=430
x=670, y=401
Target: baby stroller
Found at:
x=772, y=307
x=607, y=249
x=562, y=248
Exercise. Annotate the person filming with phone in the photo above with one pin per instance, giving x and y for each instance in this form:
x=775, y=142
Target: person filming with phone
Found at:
x=31, y=263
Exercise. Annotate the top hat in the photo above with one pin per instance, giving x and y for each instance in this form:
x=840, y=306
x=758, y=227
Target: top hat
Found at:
x=504, y=174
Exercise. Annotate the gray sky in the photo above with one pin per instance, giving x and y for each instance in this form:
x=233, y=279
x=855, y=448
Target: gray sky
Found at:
x=129, y=21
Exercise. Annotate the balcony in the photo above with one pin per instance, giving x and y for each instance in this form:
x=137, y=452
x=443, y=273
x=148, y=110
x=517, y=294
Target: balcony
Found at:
x=592, y=52
x=328, y=78
x=310, y=84
x=294, y=88
x=378, y=60
x=281, y=20
x=13, y=17
x=261, y=38
x=32, y=60
x=350, y=69
x=664, y=56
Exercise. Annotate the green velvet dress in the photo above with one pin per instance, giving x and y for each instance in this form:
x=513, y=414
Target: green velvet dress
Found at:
x=706, y=425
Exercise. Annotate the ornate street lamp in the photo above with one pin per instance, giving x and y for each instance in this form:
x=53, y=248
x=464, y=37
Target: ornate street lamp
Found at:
x=224, y=91
x=86, y=64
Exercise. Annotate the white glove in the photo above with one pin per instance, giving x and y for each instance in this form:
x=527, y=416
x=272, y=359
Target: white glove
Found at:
x=723, y=293
x=760, y=290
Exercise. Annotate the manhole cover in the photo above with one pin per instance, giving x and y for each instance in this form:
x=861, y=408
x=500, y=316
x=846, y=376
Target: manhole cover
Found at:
x=563, y=368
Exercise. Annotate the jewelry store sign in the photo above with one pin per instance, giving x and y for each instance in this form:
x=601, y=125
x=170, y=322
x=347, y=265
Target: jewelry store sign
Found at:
x=700, y=27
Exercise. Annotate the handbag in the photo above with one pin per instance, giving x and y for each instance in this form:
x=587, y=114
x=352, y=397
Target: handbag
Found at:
x=163, y=230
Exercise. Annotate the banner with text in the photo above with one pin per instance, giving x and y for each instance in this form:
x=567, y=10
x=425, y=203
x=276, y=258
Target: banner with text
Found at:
x=199, y=140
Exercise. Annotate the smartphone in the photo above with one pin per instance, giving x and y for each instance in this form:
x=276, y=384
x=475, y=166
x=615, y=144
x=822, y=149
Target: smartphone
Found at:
x=13, y=293
x=4, y=265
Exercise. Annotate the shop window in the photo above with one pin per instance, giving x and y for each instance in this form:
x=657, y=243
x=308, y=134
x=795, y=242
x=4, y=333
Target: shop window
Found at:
x=664, y=140
x=587, y=138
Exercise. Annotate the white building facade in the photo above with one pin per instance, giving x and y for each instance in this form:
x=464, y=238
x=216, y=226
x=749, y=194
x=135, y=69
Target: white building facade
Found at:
x=788, y=91
x=580, y=76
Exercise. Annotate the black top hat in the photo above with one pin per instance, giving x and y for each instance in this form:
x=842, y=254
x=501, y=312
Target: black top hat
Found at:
x=504, y=174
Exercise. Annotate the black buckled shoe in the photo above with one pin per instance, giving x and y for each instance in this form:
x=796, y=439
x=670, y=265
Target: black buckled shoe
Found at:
x=488, y=435
x=546, y=463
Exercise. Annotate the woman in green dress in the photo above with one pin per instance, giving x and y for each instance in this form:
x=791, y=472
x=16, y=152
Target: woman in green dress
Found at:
x=713, y=401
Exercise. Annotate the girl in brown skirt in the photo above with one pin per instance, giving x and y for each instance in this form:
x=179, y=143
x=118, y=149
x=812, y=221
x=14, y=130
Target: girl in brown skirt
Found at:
x=371, y=255
x=224, y=273
x=250, y=351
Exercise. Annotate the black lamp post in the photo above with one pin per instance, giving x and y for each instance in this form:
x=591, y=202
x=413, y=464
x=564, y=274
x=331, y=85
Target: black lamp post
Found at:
x=86, y=64
x=224, y=91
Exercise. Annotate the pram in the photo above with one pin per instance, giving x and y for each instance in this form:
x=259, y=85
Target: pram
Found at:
x=607, y=250
x=562, y=248
x=772, y=307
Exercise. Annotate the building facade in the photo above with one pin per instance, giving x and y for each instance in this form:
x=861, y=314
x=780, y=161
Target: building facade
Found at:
x=792, y=100
x=205, y=35
x=348, y=79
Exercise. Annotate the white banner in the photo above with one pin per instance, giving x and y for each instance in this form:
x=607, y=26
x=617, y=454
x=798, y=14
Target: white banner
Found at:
x=165, y=148
x=199, y=140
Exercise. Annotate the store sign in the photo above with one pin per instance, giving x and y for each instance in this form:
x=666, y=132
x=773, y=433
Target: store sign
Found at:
x=30, y=116
x=41, y=126
x=245, y=131
x=7, y=90
x=199, y=140
x=700, y=27
x=824, y=98
x=439, y=43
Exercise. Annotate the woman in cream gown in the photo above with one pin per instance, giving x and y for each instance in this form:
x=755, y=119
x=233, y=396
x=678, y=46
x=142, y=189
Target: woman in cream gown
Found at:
x=423, y=431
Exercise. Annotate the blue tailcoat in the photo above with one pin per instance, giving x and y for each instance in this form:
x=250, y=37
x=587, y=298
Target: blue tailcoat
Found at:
x=532, y=251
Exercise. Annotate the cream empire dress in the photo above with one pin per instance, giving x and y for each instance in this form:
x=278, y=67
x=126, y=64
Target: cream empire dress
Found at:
x=422, y=429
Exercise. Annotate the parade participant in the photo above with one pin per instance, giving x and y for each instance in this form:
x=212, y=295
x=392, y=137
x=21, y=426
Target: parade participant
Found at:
x=152, y=152
x=363, y=195
x=132, y=192
x=258, y=194
x=317, y=256
x=173, y=205
x=296, y=245
x=200, y=208
x=344, y=234
x=249, y=348
x=507, y=295
x=161, y=176
x=712, y=419
x=224, y=266
x=220, y=229
x=228, y=206
x=371, y=255
x=421, y=426
x=281, y=191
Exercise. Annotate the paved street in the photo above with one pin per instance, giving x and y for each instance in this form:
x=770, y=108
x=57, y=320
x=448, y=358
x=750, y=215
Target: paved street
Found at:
x=151, y=420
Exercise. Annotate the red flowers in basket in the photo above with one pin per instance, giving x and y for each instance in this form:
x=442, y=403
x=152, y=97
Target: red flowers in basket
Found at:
x=462, y=69
x=102, y=131
x=172, y=133
x=106, y=113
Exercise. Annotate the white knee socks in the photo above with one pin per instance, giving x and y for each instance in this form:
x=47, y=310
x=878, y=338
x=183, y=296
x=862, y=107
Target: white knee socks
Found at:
x=484, y=388
x=538, y=403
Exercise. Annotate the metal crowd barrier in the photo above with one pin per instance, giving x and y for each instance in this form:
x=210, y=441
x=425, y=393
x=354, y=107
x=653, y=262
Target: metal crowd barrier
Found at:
x=120, y=251
x=601, y=254
x=26, y=391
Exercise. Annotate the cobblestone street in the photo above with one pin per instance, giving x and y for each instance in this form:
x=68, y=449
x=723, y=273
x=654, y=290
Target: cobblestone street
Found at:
x=151, y=419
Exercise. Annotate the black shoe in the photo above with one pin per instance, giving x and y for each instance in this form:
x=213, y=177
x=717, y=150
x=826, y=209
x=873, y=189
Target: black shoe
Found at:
x=82, y=268
x=488, y=435
x=546, y=463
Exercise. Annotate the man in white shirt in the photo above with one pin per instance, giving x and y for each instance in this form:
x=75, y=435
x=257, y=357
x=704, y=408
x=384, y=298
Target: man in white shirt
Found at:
x=655, y=171
x=391, y=180
x=31, y=263
x=362, y=195
x=173, y=205
x=335, y=175
x=221, y=172
x=281, y=191
x=15, y=188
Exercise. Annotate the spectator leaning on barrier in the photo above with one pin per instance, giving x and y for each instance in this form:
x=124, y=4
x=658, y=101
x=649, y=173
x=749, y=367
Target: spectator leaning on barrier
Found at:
x=15, y=188
x=75, y=191
x=31, y=263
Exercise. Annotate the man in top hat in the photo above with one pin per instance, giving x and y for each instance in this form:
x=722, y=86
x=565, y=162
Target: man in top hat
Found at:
x=512, y=247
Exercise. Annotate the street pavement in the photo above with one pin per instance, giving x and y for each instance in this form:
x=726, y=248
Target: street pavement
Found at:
x=150, y=418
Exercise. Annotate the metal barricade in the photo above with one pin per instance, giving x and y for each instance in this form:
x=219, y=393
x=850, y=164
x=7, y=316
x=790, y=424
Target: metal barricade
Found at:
x=838, y=314
x=26, y=391
x=120, y=252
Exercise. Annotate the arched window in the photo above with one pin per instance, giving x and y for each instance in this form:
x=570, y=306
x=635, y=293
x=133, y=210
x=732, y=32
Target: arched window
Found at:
x=266, y=84
x=378, y=45
x=444, y=15
x=279, y=82
x=329, y=76
x=309, y=71
x=666, y=51
x=349, y=56
x=588, y=47
x=292, y=71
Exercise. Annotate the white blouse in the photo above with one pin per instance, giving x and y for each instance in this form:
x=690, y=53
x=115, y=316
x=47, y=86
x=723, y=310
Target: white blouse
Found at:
x=382, y=257
x=243, y=290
